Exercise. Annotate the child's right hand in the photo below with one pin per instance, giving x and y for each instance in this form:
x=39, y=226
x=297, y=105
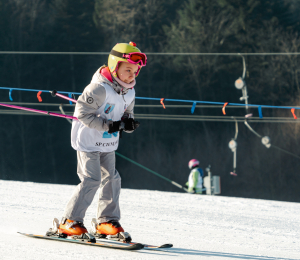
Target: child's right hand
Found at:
x=114, y=126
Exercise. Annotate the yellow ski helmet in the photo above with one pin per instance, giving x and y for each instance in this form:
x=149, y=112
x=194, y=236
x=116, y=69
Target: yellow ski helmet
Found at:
x=126, y=52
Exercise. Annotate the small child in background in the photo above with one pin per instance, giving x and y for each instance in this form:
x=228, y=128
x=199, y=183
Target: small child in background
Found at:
x=195, y=182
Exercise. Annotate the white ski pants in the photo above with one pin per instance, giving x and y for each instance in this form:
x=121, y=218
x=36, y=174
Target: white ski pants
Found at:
x=96, y=169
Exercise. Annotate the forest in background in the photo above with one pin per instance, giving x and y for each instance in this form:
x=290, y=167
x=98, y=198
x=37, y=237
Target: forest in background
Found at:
x=37, y=148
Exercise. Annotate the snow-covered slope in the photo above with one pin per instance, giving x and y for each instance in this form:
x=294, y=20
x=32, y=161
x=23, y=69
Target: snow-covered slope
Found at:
x=200, y=227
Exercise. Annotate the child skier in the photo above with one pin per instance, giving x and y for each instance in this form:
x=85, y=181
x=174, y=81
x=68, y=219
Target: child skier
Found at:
x=195, y=178
x=104, y=109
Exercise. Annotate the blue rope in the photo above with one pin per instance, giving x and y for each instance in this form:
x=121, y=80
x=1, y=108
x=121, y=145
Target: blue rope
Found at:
x=10, y=97
x=166, y=99
x=260, y=112
x=70, y=96
x=193, y=107
x=218, y=103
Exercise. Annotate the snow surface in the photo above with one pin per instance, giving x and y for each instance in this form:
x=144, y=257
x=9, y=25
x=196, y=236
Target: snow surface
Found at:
x=199, y=226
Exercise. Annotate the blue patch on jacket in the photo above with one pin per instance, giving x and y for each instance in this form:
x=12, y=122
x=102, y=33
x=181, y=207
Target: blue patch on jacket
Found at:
x=109, y=108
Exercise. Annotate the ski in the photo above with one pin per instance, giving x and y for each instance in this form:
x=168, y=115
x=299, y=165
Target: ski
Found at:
x=146, y=246
x=161, y=246
x=120, y=240
x=107, y=244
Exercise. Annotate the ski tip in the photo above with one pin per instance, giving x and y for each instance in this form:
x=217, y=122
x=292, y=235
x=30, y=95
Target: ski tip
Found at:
x=137, y=246
x=166, y=246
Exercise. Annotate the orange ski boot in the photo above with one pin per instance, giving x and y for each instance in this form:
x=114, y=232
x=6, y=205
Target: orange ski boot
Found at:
x=110, y=230
x=71, y=227
x=75, y=229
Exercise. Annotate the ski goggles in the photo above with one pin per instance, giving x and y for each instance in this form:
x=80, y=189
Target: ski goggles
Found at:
x=133, y=57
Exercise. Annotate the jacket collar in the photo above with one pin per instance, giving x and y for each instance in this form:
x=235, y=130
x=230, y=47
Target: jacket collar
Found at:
x=103, y=75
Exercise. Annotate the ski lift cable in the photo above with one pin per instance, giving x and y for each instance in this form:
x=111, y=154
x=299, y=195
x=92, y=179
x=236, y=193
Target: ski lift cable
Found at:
x=164, y=99
x=236, y=128
x=280, y=149
x=136, y=105
x=174, y=117
x=231, y=118
x=63, y=112
x=244, y=67
x=154, y=53
x=233, y=146
x=274, y=146
x=69, y=97
x=252, y=130
x=149, y=170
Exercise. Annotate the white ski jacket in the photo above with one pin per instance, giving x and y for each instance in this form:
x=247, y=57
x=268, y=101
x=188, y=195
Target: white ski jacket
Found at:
x=103, y=100
x=195, y=181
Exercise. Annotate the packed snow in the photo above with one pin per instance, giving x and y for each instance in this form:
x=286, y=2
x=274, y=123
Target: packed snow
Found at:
x=199, y=226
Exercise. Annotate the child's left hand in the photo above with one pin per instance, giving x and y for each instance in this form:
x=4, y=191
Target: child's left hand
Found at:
x=130, y=124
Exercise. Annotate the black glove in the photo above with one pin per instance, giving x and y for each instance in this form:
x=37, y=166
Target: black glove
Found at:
x=114, y=127
x=127, y=124
x=130, y=124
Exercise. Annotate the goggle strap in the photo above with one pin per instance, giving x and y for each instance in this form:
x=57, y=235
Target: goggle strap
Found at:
x=117, y=54
x=121, y=55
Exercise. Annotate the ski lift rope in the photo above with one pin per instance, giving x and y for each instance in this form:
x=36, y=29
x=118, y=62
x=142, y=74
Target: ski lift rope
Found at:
x=154, y=53
x=168, y=117
x=162, y=100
